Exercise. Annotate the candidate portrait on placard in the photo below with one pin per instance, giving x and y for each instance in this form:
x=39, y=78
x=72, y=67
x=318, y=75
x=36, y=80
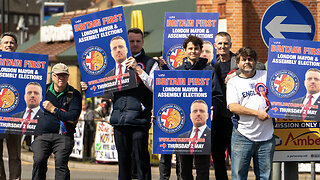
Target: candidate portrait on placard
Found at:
x=123, y=78
x=200, y=133
x=33, y=111
x=310, y=101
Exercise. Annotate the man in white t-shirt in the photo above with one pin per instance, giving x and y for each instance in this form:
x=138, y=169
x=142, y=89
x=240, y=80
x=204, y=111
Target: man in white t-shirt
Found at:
x=252, y=135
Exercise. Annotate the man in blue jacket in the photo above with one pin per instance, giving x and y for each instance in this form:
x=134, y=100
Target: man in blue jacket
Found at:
x=62, y=110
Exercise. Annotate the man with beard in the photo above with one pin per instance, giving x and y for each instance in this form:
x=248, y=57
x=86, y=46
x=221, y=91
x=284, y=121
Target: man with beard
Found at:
x=252, y=135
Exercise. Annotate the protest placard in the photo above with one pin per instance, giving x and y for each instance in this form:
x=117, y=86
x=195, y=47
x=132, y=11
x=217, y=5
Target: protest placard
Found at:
x=18, y=73
x=178, y=26
x=102, y=43
x=176, y=95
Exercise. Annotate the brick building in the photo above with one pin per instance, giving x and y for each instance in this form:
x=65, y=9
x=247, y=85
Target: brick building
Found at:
x=243, y=18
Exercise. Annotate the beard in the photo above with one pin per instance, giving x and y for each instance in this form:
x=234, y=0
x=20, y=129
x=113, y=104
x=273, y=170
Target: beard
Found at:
x=248, y=69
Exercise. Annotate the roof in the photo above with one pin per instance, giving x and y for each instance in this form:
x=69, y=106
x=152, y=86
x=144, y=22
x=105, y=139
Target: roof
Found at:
x=55, y=48
x=34, y=6
x=153, y=26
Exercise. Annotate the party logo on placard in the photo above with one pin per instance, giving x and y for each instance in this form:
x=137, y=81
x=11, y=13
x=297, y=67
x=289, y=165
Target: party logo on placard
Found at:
x=284, y=83
x=175, y=55
x=170, y=118
x=94, y=60
x=9, y=98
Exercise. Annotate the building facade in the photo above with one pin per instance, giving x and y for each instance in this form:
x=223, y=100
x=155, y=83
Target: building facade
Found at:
x=243, y=18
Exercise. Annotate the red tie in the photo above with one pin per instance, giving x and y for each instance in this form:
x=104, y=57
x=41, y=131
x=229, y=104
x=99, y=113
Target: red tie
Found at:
x=26, y=122
x=193, y=142
x=119, y=83
x=306, y=108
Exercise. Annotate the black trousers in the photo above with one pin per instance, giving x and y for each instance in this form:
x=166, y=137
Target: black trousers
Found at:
x=202, y=163
x=130, y=139
x=89, y=133
x=221, y=141
x=165, y=167
x=14, y=151
x=61, y=146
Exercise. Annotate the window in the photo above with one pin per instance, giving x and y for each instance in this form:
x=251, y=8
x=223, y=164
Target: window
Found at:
x=15, y=19
x=36, y=20
x=222, y=10
x=30, y=20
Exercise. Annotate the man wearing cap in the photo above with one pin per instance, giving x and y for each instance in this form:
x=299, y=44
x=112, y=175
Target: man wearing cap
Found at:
x=62, y=110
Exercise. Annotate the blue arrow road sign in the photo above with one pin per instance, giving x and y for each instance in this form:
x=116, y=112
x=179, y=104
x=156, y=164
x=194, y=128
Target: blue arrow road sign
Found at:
x=287, y=19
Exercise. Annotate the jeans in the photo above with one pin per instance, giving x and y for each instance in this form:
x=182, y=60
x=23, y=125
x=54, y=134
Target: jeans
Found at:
x=242, y=149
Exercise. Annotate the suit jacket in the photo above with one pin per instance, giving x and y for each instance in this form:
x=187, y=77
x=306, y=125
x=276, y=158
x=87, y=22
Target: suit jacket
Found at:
x=313, y=114
x=39, y=116
x=107, y=92
x=206, y=149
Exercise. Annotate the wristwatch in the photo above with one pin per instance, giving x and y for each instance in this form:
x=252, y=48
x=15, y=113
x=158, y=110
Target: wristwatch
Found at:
x=55, y=110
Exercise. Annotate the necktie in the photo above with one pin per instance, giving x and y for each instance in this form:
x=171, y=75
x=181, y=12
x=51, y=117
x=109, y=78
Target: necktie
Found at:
x=306, y=108
x=194, y=140
x=119, y=83
x=26, y=122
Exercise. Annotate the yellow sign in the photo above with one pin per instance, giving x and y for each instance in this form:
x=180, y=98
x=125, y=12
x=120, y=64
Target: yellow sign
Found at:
x=297, y=134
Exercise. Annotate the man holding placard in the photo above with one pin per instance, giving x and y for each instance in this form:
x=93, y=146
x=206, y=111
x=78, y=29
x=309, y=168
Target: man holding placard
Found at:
x=131, y=113
x=252, y=135
x=193, y=46
x=9, y=44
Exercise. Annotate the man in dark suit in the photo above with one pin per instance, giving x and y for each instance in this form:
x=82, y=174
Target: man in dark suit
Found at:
x=203, y=147
x=311, y=101
x=197, y=149
x=119, y=53
x=32, y=97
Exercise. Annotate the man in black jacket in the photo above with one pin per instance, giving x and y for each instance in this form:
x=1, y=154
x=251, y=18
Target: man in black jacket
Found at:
x=226, y=68
x=131, y=115
x=62, y=110
x=193, y=47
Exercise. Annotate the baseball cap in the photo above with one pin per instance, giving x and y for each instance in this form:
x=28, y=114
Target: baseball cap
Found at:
x=60, y=68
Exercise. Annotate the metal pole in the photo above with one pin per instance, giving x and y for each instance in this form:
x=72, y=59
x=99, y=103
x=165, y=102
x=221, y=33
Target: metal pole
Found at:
x=2, y=17
x=313, y=171
x=8, y=14
x=276, y=171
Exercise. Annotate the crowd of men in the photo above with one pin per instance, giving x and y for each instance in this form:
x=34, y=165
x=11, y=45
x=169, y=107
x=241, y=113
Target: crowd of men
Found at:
x=131, y=133
x=238, y=122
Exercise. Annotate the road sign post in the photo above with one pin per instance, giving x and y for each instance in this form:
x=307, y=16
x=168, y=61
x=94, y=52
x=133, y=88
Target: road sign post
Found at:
x=288, y=19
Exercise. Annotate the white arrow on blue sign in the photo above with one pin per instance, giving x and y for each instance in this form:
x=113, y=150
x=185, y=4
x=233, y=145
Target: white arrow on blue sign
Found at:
x=287, y=19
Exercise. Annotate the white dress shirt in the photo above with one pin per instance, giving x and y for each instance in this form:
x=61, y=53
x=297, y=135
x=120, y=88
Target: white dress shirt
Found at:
x=33, y=113
x=313, y=100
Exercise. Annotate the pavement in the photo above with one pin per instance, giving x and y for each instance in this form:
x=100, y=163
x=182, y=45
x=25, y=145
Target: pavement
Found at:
x=27, y=156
